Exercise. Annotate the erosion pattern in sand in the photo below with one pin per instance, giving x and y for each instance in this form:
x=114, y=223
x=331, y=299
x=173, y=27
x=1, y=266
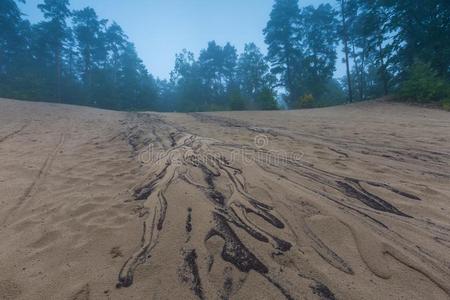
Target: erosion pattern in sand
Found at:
x=339, y=203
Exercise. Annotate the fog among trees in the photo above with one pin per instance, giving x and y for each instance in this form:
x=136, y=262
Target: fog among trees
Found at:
x=389, y=47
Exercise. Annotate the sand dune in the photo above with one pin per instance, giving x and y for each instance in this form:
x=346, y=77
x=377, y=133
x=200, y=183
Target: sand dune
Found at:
x=350, y=202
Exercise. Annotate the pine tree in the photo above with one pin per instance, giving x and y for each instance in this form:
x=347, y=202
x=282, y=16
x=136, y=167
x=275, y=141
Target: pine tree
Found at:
x=371, y=35
x=116, y=41
x=217, y=68
x=14, y=55
x=56, y=13
x=345, y=36
x=189, y=90
x=253, y=74
x=422, y=32
x=318, y=31
x=137, y=86
x=10, y=22
x=281, y=36
x=89, y=30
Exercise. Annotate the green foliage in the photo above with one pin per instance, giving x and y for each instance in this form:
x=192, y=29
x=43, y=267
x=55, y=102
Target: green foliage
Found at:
x=14, y=59
x=255, y=80
x=306, y=101
x=217, y=72
x=446, y=104
x=265, y=100
x=86, y=63
x=282, y=39
x=318, y=29
x=333, y=95
x=423, y=84
x=237, y=102
x=422, y=32
x=385, y=39
x=253, y=72
x=219, y=80
x=302, y=47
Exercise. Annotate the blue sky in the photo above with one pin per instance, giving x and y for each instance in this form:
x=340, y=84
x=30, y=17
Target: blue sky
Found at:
x=162, y=28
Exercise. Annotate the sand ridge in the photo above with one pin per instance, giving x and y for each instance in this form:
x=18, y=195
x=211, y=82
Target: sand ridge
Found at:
x=339, y=203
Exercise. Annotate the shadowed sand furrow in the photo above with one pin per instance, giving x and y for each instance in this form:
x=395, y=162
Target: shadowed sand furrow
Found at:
x=10, y=135
x=40, y=177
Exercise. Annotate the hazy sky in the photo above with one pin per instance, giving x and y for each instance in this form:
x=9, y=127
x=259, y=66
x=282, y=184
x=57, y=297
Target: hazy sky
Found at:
x=162, y=28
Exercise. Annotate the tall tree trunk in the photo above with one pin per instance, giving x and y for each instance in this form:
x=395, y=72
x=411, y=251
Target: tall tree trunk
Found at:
x=383, y=69
x=363, y=72
x=58, y=73
x=359, y=72
x=87, y=75
x=346, y=51
x=289, y=82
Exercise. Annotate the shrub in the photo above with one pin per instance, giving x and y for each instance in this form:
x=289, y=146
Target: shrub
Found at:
x=306, y=101
x=266, y=100
x=423, y=84
x=237, y=102
x=446, y=104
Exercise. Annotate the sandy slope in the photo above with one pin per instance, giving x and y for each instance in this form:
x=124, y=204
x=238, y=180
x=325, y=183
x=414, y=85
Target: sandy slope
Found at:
x=340, y=203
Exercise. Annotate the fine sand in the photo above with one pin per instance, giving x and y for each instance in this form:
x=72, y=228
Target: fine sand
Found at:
x=350, y=202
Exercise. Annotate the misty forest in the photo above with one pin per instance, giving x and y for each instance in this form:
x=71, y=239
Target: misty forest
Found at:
x=399, y=48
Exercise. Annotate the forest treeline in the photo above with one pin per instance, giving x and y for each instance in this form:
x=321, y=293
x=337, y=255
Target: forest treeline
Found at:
x=397, y=47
